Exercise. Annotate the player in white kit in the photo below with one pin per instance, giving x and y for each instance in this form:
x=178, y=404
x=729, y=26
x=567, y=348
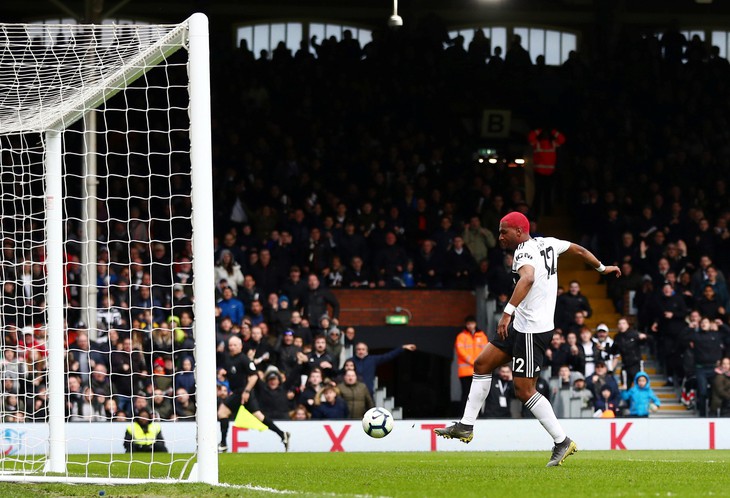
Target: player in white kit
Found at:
x=523, y=339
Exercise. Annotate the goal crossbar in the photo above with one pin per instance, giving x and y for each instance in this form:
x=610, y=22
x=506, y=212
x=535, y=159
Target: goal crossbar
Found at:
x=62, y=107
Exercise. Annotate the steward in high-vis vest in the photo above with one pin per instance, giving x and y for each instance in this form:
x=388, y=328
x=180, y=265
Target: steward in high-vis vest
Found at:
x=469, y=343
x=143, y=435
x=544, y=161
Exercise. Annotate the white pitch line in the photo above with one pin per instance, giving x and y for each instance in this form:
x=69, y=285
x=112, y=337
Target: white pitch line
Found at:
x=274, y=491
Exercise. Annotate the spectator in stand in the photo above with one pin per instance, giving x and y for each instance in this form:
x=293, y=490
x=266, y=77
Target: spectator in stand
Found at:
x=279, y=314
x=248, y=293
x=706, y=347
x=428, y=266
x=619, y=287
x=389, y=261
x=641, y=397
x=469, y=343
x=627, y=344
x=357, y=276
x=334, y=275
x=478, y=240
x=230, y=306
x=319, y=358
x=569, y=303
x=700, y=276
x=256, y=312
x=667, y=312
x=263, y=354
x=578, y=323
x=576, y=358
x=721, y=389
x=266, y=273
x=501, y=394
x=317, y=252
x=544, y=162
x=230, y=243
x=366, y=364
x=709, y=304
x=185, y=376
x=162, y=406
x=604, y=342
x=316, y=301
x=329, y=405
x=181, y=302
x=459, y=264
x=314, y=385
x=561, y=388
x=600, y=379
x=274, y=400
x=294, y=287
x=556, y=355
x=128, y=368
x=228, y=269
x=352, y=244
x=717, y=285
x=590, y=350
x=355, y=394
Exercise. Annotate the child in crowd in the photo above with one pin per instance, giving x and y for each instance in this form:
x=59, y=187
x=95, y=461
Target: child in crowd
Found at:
x=641, y=397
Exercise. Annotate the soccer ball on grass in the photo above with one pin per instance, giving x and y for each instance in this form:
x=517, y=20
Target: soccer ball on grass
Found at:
x=377, y=422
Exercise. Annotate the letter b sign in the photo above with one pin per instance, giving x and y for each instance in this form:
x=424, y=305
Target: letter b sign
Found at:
x=496, y=123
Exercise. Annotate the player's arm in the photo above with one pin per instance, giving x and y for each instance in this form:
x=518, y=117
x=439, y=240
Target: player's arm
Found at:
x=592, y=260
x=523, y=286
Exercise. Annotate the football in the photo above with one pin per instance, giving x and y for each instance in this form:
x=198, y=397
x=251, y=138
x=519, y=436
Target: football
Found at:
x=377, y=422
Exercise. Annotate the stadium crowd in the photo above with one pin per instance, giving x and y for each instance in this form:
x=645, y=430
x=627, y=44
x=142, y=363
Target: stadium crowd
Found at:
x=356, y=169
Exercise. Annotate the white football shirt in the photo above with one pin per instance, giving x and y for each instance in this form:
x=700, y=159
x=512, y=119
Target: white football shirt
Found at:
x=536, y=312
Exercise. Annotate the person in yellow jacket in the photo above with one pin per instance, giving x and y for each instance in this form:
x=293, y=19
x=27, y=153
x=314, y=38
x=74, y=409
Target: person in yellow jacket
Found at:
x=469, y=343
x=144, y=435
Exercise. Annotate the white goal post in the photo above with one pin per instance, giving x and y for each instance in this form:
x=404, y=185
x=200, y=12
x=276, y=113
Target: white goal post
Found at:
x=107, y=303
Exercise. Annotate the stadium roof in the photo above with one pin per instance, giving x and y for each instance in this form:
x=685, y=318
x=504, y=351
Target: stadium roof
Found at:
x=688, y=12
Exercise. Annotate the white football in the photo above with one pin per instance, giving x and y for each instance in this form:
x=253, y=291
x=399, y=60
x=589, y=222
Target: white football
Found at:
x=377, y=422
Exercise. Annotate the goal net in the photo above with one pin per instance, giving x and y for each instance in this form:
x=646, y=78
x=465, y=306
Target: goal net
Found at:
x=106, y=299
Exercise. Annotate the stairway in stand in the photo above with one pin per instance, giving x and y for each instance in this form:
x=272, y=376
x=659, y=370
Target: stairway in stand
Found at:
x=591, y=285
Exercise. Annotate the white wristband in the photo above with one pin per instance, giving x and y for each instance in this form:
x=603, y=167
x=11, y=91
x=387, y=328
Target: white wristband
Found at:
x=601, y=268
x=509, y=309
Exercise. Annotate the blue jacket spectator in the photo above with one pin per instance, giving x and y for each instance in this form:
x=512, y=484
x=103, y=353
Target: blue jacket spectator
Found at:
x=231, y=307
x=640, y=396
x=366, y=364
x=331, y=407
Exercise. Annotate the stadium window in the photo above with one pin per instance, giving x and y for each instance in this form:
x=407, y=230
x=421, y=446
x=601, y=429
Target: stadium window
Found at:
x=267, y=36
x=48, y=31
x=322, y=31
x=720, y=39
x=552, y=44
x=497, y=35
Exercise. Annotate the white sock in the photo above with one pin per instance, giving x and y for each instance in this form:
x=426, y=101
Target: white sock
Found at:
x=543, y=411
x=480, y=385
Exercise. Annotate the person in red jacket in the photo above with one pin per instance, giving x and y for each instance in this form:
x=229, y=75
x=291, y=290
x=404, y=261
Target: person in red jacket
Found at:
x=544, y=160
x=469, y=343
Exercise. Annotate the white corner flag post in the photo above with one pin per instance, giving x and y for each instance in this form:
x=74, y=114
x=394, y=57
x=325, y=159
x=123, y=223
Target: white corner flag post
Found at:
x=204, y=282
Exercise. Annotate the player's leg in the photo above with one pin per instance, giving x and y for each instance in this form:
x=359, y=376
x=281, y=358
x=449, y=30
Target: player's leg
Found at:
x=493, y=356
x=529, y=354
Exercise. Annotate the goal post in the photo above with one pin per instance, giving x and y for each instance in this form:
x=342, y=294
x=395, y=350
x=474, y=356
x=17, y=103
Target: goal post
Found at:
x=131, y=397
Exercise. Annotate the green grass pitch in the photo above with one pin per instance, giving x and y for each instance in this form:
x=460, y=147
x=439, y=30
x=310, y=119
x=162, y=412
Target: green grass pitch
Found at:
x=463, y=474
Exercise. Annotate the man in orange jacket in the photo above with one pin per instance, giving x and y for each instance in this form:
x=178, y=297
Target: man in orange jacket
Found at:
x=544, y=160
x=469, y=343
